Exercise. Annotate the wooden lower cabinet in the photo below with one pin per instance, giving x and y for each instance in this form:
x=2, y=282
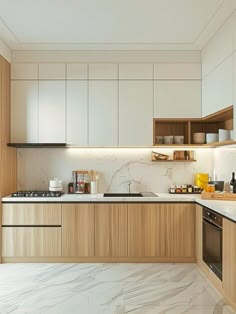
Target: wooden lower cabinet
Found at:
x=146, y=230
x=199, y=234
x=180, y=230
x=77, y=230
x=111, y=230
x=161, y=230
x=31, y=241
x=229, y=260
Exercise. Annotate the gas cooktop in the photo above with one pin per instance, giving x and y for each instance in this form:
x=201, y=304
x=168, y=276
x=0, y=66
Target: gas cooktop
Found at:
x=36, y=193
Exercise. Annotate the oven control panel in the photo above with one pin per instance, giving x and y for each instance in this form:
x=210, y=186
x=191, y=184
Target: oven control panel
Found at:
x=212, y=217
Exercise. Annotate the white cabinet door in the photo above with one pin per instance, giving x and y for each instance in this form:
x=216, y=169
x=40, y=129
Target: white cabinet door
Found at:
x=140, y=71
x=177, y=71
x=52, y=111
x=77, y=71
x=27, y=71
x=218, y=88
x=24, y=111
x=103, y=71
x=52, y=71
x=77, y=113
x=177, y=99
x=135, y=113
x=103, y=113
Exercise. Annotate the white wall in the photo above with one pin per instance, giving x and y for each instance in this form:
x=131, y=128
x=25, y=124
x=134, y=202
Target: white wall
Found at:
x=116, y=166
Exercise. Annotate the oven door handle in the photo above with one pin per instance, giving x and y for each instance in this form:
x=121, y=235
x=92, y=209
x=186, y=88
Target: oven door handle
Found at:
x=211, y=223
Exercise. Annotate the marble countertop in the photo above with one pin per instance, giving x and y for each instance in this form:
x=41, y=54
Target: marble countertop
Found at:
x=225, y=208
x=161, y=197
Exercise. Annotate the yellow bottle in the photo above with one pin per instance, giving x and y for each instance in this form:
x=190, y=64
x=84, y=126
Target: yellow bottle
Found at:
x=201, y=180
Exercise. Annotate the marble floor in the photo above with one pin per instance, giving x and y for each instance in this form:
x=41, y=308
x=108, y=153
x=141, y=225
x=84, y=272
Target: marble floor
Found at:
x=107, y=289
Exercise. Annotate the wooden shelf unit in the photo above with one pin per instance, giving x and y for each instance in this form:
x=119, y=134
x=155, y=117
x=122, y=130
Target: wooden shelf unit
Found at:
x=222, y=119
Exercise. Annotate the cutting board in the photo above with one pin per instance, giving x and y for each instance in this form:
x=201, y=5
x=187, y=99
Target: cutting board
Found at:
x=218, y=196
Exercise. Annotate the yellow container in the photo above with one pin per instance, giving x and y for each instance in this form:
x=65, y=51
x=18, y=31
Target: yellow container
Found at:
x=201, y=179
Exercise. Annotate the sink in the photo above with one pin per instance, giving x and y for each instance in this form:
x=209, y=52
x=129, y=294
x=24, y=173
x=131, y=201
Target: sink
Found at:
x=122, y=195
x=143, y=194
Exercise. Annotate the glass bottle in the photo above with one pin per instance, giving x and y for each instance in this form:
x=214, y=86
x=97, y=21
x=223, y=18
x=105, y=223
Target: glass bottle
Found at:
x=232, y=182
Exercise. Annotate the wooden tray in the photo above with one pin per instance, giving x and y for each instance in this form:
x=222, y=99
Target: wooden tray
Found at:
x=218, y=196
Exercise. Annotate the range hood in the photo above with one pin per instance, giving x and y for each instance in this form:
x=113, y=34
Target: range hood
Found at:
x=37, y=145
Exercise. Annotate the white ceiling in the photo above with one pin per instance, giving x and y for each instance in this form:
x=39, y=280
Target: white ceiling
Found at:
x=111, y=24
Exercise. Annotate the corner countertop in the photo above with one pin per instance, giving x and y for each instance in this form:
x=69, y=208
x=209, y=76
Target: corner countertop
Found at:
x=225, y=208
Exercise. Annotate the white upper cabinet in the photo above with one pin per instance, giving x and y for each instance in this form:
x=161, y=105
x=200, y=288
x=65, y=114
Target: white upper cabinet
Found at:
x=135, y=113
x=77, y=71
x=22, y=71
x=177, y=99
x=77, y=113
x=142, y=71
x=52, y=111
x=103, y=71
x=103, y=113
x=52, y=71
x=24, y=111
x=177, y=71
x=219, y=47
x=218, y=88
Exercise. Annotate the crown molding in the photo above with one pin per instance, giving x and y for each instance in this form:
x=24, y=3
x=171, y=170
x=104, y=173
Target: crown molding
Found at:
x=225, y=11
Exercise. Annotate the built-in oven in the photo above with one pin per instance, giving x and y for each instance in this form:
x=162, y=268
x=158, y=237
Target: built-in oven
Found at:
x=212, y=241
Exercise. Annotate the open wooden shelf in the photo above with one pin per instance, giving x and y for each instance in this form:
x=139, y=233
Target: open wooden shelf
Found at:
x=222, y=119
x=173, y=160
x=214, y=144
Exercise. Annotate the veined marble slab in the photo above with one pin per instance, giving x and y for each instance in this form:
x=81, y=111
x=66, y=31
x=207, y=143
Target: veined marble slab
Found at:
x=107, y=289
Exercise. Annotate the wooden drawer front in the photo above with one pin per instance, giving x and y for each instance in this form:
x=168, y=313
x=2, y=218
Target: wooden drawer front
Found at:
x=31, y=241
x=31, y=214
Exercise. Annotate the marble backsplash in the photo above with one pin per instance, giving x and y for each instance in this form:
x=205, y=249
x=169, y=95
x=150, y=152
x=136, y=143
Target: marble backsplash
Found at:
x=224, y=163
x=116, y=167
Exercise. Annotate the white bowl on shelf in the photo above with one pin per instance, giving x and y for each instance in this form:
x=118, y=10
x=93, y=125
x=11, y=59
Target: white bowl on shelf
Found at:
x=212, y=137
x=168, y=139
x=159, y=139
x=224, y=135
x=179, y=139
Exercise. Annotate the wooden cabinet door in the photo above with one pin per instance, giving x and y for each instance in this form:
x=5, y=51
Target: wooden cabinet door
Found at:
x=24, y=111
x=135, y=113
x=229, y=259
x=110, y=230
x=31, y=241
x=146, y=230
x=180, y=232
x=52, y=111
x=77, y=230
x=103, y=113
